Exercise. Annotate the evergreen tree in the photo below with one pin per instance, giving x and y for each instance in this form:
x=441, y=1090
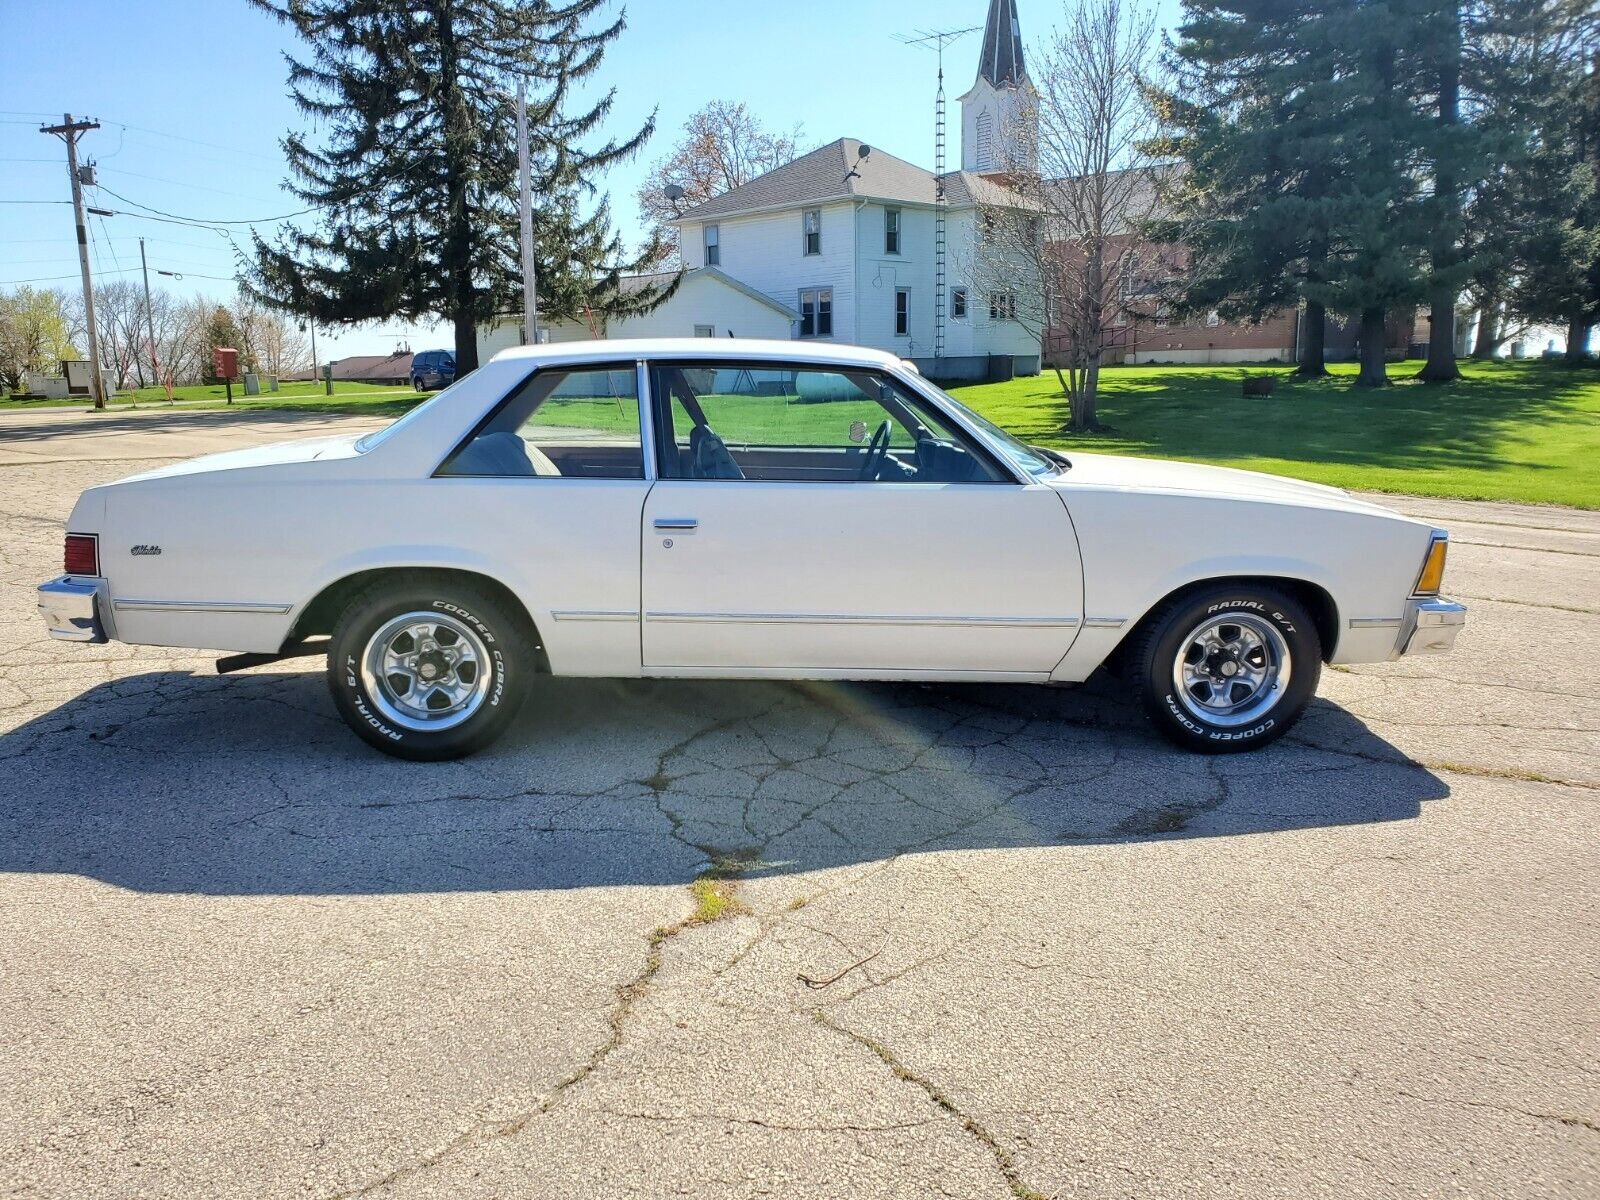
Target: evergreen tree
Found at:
x=416, y=179
x=1557, y=231
x=1253, y=115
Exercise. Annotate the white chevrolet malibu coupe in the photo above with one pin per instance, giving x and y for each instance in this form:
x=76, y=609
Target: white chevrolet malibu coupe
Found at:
x=731, y=509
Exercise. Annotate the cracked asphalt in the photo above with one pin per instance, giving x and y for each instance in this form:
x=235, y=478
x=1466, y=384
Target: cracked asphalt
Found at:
x=999, y=942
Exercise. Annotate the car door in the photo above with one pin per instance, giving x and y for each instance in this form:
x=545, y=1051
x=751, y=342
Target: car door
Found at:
x=821, y=520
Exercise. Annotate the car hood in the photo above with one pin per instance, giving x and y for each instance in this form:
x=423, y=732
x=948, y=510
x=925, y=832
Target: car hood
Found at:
x=1149, y=474
x=275, y=454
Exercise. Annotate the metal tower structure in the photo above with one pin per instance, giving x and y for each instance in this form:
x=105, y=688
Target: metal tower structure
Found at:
x=936, y=40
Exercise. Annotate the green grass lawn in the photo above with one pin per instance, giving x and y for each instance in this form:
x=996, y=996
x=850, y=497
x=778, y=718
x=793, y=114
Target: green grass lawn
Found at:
x=379, y=399
x=1525, y=431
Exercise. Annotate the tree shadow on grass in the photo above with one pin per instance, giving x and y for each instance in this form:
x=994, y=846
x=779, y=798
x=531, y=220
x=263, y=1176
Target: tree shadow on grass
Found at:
x=169, y=782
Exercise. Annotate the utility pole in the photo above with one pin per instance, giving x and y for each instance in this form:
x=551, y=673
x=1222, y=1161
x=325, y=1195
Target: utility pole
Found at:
x=149, y=321
x=70, y=131
x=530, y=280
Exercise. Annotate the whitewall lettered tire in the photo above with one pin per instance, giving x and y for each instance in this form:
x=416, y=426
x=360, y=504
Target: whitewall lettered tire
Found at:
x=428, y=667
x=1227, y=667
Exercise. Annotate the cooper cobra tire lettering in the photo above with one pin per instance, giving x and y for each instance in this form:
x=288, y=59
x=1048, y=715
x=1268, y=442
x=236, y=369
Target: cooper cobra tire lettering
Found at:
x=489, y=617
x=1157, y=644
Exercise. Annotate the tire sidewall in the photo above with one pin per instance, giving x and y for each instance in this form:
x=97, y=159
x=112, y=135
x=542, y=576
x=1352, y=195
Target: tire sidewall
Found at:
x=1305, y=655
x=356, y=705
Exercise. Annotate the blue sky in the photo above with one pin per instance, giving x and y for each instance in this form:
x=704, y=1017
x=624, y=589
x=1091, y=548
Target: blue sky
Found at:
x=192, y=97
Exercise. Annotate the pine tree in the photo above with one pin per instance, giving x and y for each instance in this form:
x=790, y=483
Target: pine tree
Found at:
x=1557, y=256
x=1252, y=114
x=416, y=180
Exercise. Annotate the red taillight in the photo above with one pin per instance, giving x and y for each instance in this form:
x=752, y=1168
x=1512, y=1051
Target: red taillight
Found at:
x=83, y=554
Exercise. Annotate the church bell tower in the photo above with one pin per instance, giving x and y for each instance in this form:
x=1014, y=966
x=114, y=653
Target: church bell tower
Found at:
x=994, y=112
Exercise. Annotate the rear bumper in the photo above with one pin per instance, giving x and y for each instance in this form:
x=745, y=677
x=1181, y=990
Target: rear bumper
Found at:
x=1431, y=626
x=73, y=608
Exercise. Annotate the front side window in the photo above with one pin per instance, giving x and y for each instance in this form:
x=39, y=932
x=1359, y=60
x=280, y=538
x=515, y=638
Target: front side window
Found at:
x=958, y=304
x=730, y=420
x=811, y=223
x=816, y=313
x=891, y=231
x=713, y=245
x=578, y=423
x=902, y=312
x=1002, y=306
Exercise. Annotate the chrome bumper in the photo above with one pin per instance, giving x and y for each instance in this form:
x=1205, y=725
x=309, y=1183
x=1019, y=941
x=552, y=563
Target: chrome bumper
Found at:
x=71, y=608
x=1431, y=626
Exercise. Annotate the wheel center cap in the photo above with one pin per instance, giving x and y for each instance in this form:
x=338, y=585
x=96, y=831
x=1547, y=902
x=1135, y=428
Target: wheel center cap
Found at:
x=431, y=666
x=1230, y=669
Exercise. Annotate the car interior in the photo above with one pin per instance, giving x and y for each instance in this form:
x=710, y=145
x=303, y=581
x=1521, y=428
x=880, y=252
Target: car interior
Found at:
x=722, y=420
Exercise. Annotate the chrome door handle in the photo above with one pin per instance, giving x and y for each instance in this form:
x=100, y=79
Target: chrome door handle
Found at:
x=681, y=524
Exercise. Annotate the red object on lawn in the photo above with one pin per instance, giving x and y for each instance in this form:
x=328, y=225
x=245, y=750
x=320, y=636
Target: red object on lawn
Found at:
x=224, y=362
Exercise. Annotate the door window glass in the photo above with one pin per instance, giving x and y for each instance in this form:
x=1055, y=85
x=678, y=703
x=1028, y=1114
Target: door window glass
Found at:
x=573, y=424
x=730, y=420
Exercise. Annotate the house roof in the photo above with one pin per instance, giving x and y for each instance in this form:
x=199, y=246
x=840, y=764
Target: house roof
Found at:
x=372, y=366
x=1000, y=61
x=838, y=172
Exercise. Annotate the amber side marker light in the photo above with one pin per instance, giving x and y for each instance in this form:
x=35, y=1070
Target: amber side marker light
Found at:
x=82, y=554
x=1432, y=577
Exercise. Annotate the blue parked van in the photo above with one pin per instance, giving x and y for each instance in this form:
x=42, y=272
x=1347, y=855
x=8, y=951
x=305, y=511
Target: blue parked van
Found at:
x=433, y=369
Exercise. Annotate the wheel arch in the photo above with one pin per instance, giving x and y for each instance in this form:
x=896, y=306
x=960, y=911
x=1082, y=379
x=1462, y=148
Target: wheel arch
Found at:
x=322, y=612
x=1318, y=601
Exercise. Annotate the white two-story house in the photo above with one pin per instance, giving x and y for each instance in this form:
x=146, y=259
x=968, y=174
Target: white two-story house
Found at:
x=847, y=241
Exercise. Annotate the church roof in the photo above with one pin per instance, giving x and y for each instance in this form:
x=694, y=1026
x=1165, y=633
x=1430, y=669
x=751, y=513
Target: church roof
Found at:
x=1001, y=60
x=838, y=172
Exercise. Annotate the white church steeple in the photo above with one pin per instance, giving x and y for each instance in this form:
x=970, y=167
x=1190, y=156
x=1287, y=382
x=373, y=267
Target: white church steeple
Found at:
x=993, y=110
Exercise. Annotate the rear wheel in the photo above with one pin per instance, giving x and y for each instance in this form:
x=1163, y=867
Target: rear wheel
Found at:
x=430, y=668
x=1227, y=668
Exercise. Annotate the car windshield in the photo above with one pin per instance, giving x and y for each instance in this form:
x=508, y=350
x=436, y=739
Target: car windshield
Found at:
x=378, y=436
x=1035, y=460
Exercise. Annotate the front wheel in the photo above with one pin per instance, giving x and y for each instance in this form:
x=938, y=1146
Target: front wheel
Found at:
x=1227, y=668
x=416, y=382
x=430, y=668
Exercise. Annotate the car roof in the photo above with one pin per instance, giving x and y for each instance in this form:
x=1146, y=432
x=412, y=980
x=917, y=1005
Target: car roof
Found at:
x=826, y=353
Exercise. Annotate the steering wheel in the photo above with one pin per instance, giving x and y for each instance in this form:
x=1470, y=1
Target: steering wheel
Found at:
x=877, y=450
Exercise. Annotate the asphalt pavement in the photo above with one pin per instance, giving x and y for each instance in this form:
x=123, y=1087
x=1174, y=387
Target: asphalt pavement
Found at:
x=985, y=942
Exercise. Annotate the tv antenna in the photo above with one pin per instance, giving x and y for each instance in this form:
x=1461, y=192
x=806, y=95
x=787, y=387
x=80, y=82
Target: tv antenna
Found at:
x=936, y=40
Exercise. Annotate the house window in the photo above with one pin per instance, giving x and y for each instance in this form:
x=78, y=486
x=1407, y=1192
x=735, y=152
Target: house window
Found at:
x=958, y=304
x=1213, y=319
x=713, y=245
x=891, y=231
x=902, y=312
x=1002, y=306
x=705, y=331
x=812, y=223
x=816, y=313
x=1163, y=315
x=1130, y=273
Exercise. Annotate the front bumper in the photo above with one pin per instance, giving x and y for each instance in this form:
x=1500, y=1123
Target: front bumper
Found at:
x=73, y=608
x=1431, y=626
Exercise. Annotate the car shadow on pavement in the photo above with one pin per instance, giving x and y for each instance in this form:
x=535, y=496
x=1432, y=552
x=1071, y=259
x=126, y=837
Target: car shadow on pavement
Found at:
x=250, y=784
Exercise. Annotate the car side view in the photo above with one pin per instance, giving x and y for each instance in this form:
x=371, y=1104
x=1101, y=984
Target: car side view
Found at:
x=774, y=510
x=432, y=369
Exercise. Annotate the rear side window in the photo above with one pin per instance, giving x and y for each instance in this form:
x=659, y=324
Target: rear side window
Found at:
x=567, y=424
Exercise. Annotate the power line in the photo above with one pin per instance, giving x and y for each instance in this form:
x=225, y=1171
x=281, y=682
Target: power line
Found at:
x=194, y=141
x=196, y=187
x=205, y=220
x=35, y=201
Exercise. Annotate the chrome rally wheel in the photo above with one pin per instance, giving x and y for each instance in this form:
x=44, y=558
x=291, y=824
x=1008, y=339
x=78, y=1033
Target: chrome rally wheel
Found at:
x=426, y=671
x=1231, y=671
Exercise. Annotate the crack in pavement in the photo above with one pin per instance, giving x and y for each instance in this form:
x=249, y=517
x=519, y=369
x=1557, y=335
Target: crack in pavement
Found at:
x=1003, y=1159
